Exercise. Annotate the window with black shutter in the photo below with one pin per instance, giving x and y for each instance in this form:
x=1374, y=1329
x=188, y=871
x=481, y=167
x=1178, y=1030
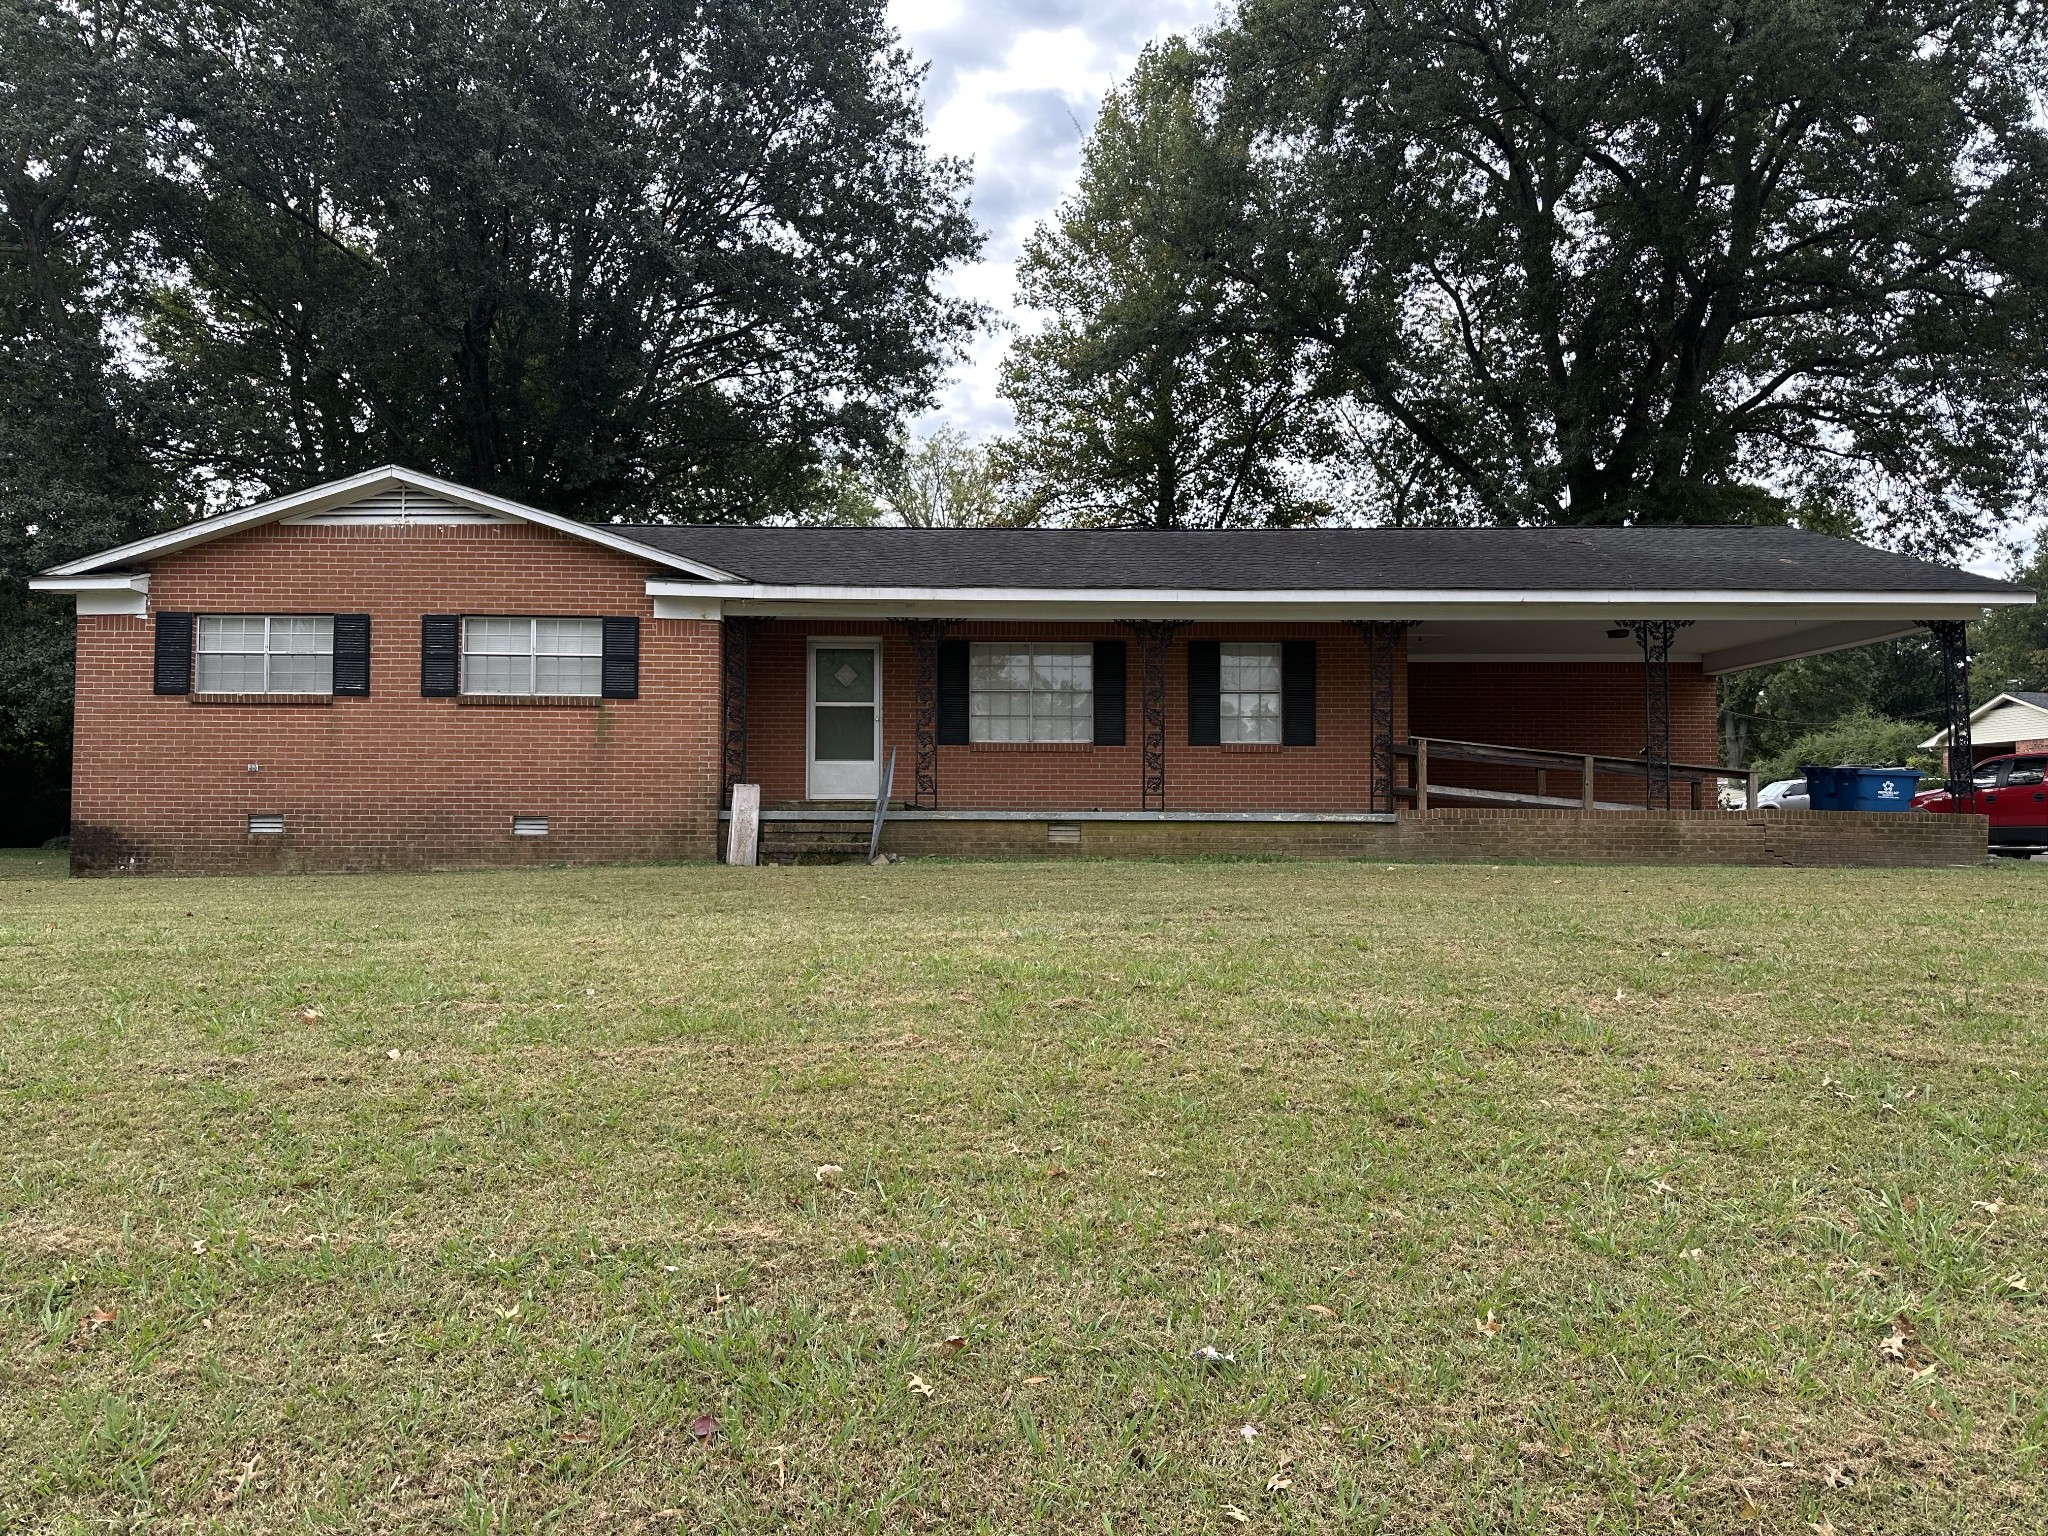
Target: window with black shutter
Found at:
x=1109, y=693
x=352, y=655
x=1205, y=693
x=953, y=686
x=173, y=653
x=1298, y=693
x=621, y=671
x=440, y=655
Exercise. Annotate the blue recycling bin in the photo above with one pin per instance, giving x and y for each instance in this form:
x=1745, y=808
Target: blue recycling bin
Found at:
x=1850, y=787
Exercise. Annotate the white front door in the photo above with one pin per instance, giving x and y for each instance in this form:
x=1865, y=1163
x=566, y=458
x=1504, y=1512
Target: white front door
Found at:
x=845, y=730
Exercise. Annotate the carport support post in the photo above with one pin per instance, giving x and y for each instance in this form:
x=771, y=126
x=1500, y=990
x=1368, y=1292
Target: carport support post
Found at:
x=737, y=635
x=1953, y=637
x=1655, y=637
x=1382, y=649
x=1155, y=640
x=925, y=635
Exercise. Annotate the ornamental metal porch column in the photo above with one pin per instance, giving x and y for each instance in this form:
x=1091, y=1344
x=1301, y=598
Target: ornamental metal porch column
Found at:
x=1953, y=637
x=925, y=635
x=736, y=636
x=1655, y=637
x=1155, y=639
x=1382, y=645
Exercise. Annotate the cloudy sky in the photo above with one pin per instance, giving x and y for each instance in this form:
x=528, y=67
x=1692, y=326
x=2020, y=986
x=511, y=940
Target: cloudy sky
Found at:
x=1013, y=86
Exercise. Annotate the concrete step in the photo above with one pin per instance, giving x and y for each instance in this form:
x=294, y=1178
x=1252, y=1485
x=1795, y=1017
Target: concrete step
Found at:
x=814, y=842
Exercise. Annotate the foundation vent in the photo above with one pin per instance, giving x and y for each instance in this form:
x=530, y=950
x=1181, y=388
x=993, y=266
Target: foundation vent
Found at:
x=1068, y=832
x=529, y=826
x=265, y=825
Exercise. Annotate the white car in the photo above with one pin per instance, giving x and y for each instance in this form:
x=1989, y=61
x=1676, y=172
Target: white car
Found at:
x=1783, y=795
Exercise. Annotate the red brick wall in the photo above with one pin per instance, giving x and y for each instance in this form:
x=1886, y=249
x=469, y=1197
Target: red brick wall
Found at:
x=1578, y=707
x=1330, y=776
x=393, y=780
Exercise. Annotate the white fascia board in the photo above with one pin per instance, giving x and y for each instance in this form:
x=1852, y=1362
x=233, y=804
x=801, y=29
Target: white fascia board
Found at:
x=116, y=581
x=1336, y=603
x=337, y=493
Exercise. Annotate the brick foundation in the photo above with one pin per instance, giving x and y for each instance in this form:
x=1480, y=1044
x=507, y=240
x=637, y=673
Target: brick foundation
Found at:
x=1487, y=836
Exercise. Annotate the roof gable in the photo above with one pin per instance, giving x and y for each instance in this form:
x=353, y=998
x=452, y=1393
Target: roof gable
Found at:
x=386, y=495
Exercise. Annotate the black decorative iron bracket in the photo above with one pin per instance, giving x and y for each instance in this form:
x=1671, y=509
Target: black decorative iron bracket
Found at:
x=1655, y=637
x=924, y=636
x=1382, y=647
x=736, y=635
x=1952, y=636
x=1155, y=640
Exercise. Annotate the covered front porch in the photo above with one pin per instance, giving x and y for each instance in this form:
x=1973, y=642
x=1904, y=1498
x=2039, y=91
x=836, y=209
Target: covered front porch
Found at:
x=1270, y=732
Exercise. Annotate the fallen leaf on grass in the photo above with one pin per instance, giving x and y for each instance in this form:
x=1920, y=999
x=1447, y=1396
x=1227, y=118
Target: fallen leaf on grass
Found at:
x=2016, y=1282
x=1693, y=1255
x=1899, y=1346
x=1488, y=1325
x=952, y=1344
x=1155, y=1173
x=1209, y=1354
x=1318, y=1309
x=1821, y=1527
x=392, y=1054
x=703, y=1427
x=1664, y=1186
x=507, y=1313
x=1032, y=1381
x=828, y=1173
x=1236, y=1515
x=920, y=1386
x=1249, y=1433
x=1992, y=1208
x=98, y=1318
x=1279, y=1482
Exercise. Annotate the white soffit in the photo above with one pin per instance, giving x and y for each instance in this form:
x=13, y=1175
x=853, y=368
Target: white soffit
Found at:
x=321, y=503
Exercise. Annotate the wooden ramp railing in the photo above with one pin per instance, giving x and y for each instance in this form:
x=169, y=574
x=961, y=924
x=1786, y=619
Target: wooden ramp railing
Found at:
x=1422, y=750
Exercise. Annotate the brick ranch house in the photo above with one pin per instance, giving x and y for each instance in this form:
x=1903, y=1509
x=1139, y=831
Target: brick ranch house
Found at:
x=394, y=671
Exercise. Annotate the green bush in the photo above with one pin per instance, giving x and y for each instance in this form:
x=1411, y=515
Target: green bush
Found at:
x=1862, y=738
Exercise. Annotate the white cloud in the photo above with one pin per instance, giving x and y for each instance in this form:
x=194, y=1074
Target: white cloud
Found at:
x=1014, y=86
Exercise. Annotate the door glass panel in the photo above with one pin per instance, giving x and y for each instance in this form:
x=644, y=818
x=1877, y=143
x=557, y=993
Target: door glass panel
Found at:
x=846, y=677
x=2026, y=770
x=844, y=733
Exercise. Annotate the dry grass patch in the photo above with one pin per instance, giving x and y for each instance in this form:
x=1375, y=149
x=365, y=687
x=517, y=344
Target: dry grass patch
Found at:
x=1518, y=1199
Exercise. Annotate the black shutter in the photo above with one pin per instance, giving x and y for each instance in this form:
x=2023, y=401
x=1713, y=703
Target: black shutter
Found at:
x=1205, y=693
x=621, y=669
x=174, y=653
x=440, y=655
x=1297, y=693
x=953, y=693
x=352, y=655
x=1109, y=693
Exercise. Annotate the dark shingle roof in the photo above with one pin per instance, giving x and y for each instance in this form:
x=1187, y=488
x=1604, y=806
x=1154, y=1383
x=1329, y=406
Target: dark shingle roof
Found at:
x=2038, y=700
x=1727, y=559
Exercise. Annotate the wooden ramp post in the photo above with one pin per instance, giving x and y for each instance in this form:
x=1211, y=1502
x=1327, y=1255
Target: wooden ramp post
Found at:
x=743, y=836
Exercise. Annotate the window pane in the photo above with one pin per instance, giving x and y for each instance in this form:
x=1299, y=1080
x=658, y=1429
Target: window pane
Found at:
x=485, y=673
x=846, y=676
x=225, y=673
x=569, y=675
x=302, y=634
x=569, y=637
x=230, y=632
x=1250, y=700
x=504, y=637
x=302, y=673
x=2026, y=770
x=844, y=733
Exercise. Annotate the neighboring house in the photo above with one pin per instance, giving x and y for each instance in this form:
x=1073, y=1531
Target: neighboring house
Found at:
x=392, y=670
x=2012, y=722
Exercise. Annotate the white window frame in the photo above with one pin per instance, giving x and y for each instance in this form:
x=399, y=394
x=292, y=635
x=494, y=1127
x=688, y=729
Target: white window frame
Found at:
x=1270, y=726
x=1030, y=649
x=200, y=653
x=533, y=656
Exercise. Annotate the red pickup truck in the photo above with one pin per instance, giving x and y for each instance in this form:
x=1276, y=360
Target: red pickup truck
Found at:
x=2012, y=792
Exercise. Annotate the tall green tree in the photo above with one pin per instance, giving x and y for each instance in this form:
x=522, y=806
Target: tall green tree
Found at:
x=651, y=257
x=2011, y=646
x=1593, y=261
x=1139, y=402
x=75, y=470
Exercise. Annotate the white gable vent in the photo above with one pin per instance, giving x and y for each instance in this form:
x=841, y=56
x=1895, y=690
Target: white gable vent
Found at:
x=401, y=505
x=529, y=826
x=265, y=825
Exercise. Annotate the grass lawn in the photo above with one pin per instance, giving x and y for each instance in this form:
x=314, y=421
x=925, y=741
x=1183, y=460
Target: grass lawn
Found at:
x=1518, y=1199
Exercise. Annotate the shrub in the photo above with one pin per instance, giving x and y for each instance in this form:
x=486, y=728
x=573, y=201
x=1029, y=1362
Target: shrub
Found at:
x=1861, y=738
